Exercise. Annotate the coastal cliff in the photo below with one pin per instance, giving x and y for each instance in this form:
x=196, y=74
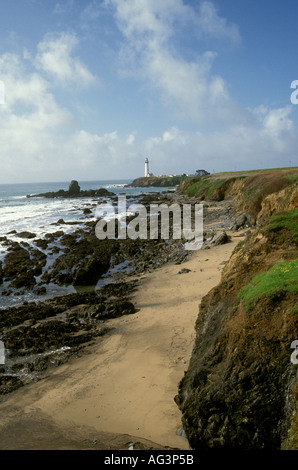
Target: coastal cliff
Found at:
x=241, y=388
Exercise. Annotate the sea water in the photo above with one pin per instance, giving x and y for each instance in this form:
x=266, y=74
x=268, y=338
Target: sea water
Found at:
x=40, y=215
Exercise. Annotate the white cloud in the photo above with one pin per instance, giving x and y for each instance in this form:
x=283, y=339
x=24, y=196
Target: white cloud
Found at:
x=33, y=124
x=40, y=139
x=212, y=25
x=188, y=87
x=55, y=58
x=277, y=121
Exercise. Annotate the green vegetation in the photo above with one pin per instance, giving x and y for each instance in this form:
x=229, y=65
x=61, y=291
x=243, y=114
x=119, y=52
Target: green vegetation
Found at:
x=292, y=179
x=249, y=187
x=158, y=181
x=282, y=277
x=204, y=187
x=285, y=221
x=259, y=171
x=167, y=180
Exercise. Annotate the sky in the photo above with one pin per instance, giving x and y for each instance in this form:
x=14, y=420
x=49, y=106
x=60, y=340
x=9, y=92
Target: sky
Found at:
x=90, y=88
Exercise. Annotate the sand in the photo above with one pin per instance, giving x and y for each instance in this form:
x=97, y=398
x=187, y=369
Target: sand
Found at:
x=125, y=383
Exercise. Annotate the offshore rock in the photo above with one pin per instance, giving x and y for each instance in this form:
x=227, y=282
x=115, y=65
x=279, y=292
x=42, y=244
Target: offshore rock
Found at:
x=74, y=188
x=74, y=191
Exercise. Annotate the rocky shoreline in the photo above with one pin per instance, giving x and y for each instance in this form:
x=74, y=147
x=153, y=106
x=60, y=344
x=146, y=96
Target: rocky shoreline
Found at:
x=45, y=333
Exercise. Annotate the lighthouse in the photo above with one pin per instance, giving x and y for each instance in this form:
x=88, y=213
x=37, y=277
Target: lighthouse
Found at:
x=147, y=174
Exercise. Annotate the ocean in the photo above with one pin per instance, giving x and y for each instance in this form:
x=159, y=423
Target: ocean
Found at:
x=40, y=215
x=17, y=212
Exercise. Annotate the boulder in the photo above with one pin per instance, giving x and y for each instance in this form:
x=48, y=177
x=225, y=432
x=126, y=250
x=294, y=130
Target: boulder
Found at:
x=220, y=238
x=74, y=187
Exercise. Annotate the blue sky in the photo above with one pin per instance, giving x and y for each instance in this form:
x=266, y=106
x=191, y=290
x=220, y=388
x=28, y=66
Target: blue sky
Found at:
x=92, y=87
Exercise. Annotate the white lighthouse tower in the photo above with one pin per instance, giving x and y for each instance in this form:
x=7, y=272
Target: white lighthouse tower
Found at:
x=147, y=174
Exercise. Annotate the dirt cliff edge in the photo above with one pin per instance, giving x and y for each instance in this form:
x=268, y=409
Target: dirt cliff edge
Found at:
x=240, y=390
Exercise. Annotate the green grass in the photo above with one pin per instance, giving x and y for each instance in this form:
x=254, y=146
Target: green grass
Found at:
x=264, y=170
x=292, y=179
x=282, y=277
x=204, y=187
x=288, y=221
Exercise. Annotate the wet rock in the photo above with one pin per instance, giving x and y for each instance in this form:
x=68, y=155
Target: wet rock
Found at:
x=40, y=290
x=46, y=334
x=21, y=266
x=26, y=234
x=74, y=191
x=42, y=243
x=87, y=211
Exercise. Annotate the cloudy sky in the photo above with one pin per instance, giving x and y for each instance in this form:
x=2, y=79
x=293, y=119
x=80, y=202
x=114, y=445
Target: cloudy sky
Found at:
x=92, y=87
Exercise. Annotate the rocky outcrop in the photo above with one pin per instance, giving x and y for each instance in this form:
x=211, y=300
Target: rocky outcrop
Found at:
x=74, y=188
x=74, y=191
x=156, y=181
x=21, y=265
x=286, y=199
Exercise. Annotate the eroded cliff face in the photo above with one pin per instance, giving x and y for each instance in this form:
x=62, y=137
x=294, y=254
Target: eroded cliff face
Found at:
x=239, y=390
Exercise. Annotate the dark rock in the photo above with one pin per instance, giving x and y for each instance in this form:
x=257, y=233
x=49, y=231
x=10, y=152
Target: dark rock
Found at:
x=74, y=188
x=26, y=235
x=42, y=243
x=21, y=266
x=220, y=238
x=241, y=221
x=40, y=290
x=74, y=191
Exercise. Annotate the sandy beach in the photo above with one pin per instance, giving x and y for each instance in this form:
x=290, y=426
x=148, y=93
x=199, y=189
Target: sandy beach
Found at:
x=122, y=388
